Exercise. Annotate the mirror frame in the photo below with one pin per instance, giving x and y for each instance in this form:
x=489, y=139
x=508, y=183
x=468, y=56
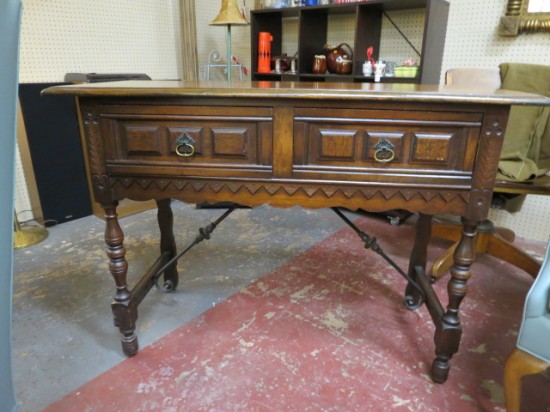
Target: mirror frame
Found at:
x=517, y=20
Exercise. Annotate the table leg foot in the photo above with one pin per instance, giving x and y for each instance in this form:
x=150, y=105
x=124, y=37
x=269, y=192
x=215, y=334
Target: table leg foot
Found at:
x=129, y=344
x=125, y=317
x=447, y=341
x=440, y=369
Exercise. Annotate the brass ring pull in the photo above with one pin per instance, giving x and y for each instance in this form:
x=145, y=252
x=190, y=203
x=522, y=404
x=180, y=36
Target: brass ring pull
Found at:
x=185, y=145
x=380, y=155
x=188, y=150
x=383, y=151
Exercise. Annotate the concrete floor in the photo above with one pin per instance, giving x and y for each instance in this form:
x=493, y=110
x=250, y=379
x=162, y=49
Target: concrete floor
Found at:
x=63, y=334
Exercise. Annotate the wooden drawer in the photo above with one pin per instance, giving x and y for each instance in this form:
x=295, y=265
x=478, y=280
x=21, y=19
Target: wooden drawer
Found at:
x=227, y=141
x=379, y=145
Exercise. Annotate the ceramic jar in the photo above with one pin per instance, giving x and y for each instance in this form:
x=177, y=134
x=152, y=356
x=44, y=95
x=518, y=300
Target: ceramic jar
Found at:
x=319, y=64
x=332, y=53
x=344, y=65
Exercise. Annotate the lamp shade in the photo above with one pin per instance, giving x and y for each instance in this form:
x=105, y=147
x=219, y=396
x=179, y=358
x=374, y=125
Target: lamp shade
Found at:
x=229, y=14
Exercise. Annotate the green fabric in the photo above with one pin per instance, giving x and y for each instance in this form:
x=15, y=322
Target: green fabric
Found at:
x=526, y=151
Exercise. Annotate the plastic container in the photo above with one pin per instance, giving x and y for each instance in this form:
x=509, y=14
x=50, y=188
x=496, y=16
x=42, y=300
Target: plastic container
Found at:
x=406, y=71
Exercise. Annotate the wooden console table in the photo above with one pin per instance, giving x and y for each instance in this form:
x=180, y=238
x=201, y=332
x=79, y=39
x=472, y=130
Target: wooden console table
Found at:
x=425, y=149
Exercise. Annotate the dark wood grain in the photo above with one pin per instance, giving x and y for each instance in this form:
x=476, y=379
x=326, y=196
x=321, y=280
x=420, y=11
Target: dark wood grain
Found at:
x=348, y=92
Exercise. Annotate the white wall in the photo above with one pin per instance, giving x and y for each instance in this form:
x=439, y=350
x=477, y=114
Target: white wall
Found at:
x=472, y=41
x=60, y=36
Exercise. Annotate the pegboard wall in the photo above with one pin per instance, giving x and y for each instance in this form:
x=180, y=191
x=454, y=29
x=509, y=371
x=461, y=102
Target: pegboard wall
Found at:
x=102, y=36
x=531, y=222
x=213, y=38
x=393, y=47
x=472, y=41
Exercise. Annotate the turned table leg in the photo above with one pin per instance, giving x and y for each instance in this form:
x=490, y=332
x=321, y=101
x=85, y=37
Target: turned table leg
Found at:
x=125, y=314
x=449, y=331
x=165, y=219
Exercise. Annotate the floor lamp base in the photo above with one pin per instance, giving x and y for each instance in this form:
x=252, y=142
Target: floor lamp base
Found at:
x=27, y=236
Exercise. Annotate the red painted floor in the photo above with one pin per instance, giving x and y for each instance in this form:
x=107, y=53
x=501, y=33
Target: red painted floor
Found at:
x=326, y=332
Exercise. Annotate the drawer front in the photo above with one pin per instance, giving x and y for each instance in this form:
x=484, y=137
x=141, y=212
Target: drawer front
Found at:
x=381, y=145
x=218, y=141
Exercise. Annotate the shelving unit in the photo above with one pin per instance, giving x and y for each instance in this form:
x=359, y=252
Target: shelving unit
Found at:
x=367, y=16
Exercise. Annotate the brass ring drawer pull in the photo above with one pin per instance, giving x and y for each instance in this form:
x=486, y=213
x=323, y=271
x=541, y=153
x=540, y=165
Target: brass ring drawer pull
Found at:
x=383, y=151
x=185, y=150
x=381, y=155
x=185, y=145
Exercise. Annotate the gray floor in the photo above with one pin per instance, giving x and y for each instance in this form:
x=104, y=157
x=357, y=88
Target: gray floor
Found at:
x=63, y=334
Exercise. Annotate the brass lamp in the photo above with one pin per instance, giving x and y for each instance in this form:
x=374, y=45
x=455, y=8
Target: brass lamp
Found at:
x=27, y=236
x=229, y=15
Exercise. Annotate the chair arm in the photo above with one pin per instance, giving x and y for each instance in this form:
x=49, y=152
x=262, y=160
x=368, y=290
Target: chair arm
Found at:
x=537, y=186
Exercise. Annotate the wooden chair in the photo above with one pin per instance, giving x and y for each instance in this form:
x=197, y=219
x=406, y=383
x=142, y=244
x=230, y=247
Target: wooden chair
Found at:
x=496, y=241
x=532, y=352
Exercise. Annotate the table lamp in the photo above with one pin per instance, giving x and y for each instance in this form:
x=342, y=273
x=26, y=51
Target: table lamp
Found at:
x=228, y=15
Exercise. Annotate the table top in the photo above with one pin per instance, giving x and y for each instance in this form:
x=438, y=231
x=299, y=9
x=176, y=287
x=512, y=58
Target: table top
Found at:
x=398, y=92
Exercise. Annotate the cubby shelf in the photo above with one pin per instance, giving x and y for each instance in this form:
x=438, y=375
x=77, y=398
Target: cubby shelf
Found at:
x=368, y=15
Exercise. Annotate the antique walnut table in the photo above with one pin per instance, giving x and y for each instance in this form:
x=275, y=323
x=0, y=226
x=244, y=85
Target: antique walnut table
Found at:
x=378, y=147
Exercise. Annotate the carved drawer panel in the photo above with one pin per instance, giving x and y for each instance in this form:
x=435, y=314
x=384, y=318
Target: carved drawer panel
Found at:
x=213, y=141
x=197, y=141
x=384, y=146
